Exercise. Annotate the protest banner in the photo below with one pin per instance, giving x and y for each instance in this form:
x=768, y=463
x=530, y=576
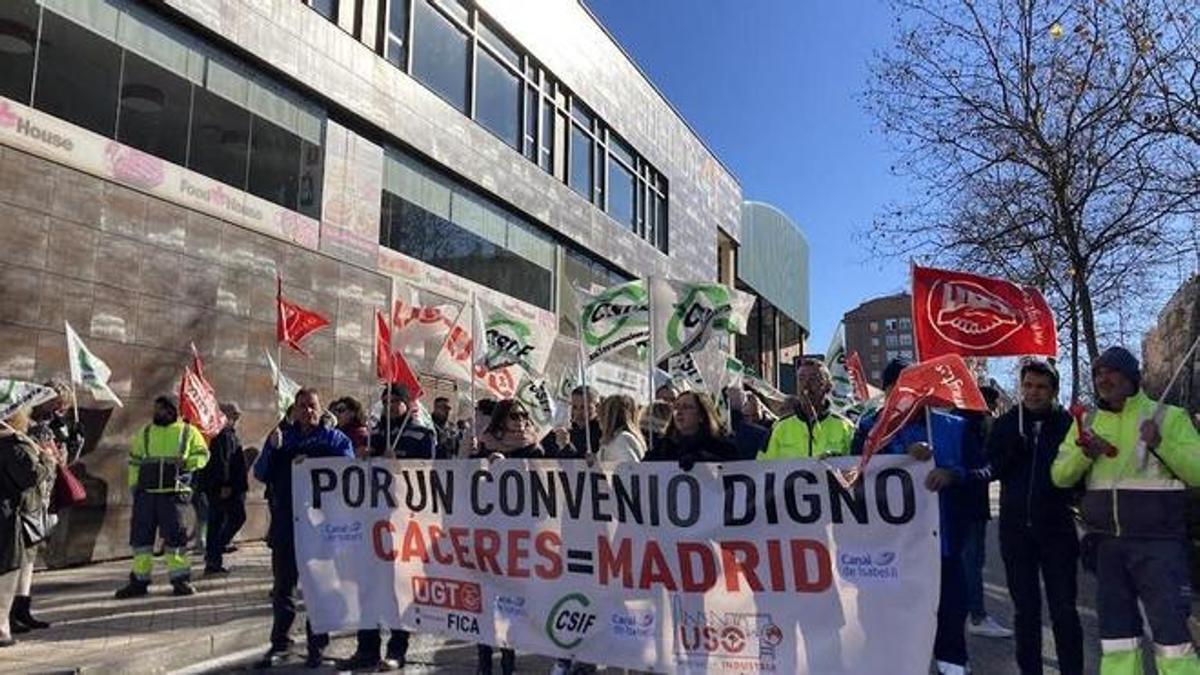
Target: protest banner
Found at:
x=746, y=566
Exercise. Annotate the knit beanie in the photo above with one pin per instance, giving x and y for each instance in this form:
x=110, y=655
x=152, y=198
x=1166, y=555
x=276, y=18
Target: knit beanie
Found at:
x=1122, y=361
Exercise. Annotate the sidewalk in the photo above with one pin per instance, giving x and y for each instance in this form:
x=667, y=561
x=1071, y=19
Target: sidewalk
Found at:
x=93, y=632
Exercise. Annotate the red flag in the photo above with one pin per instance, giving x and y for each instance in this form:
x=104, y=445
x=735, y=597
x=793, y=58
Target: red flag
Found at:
x=391, y=366
x=858, y=378
x=293, y=323
x=197, y=401
x=961, y=313
x=942, y=382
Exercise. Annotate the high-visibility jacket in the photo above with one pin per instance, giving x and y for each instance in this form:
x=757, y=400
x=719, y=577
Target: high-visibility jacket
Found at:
x=169, y=452
x=1134, y=494
x=796, y=438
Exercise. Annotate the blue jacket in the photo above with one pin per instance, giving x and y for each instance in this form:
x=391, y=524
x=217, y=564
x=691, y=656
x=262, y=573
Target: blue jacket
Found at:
x=948, y=439
x=749, y=437
x=274, y=467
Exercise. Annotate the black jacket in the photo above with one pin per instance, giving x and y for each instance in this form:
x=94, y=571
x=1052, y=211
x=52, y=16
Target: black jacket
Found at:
x=410, y=440
x=579, y=443
x=1022, y=465
x=226, y=465
x=687, y=450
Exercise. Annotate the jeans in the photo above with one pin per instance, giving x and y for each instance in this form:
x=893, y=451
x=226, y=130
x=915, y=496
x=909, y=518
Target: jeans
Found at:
x=974, y=558
x=225, y=517
x=950, y=641
x=1055, y=556
x=283, y=598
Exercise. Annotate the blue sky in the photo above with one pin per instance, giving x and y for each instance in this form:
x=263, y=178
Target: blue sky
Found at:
x=772, y=86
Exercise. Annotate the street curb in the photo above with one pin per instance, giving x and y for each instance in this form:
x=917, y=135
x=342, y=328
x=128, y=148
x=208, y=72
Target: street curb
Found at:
x=189, y=649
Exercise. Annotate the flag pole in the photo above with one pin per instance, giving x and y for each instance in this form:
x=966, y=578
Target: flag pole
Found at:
x=587, y=404
x=474, y=357
x=650, y=360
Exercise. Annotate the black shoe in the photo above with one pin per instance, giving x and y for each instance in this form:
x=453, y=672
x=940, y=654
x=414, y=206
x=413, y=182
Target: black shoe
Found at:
x=20, y=614
x=359, y=661
x=231, y=549
x=7, y=643
x=314, y=659
x=134, y=589
x=16, y=627
x=183, y=587
x=394, y=661
x=216, y=571
x=276, y=656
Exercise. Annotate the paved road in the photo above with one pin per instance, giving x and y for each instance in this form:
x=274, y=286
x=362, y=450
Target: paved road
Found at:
x=989, y=656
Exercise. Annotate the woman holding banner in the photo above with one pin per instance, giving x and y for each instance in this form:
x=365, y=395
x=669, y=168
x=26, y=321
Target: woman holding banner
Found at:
x=509, y=435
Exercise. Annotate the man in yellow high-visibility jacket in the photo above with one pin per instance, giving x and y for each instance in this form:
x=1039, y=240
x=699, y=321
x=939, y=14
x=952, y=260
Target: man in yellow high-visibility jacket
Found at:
x=162, y=457
x=814, y=430
x=1138, y=459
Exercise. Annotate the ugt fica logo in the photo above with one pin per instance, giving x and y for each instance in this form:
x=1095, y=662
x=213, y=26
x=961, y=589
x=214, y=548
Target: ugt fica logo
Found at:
x=968, y=315
x=570, y=620
x=704, y=308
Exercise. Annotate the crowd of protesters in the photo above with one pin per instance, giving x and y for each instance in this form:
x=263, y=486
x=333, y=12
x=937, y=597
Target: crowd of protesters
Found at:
x=1043, y=462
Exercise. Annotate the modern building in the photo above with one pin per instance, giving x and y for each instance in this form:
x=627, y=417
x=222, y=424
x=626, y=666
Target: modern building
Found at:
x=880, y=330
x=162, y=162
x=772, y=263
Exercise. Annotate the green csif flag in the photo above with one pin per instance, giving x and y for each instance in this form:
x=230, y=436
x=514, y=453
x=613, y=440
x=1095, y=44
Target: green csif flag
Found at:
x=17, y=394
x=613, y=318
x=688, y=315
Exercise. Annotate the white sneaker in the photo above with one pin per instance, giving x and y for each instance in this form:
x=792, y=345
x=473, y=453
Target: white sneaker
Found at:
x=987, y=627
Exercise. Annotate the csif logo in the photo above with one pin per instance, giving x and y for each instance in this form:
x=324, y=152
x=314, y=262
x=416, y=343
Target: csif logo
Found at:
x=570, y=620
x=968, y=315
x=703, y=309
x=614, y=310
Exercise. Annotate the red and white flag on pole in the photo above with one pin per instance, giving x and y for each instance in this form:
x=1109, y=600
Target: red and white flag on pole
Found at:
x=390, y=365
x=292, y=322
x=858, y=378
x=198, y=404
x=961, y=313
x=943, y=382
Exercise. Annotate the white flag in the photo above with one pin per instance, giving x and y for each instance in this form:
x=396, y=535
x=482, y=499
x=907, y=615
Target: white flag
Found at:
x=513, y=338
x=17, y=394
x=612, y=319
x=687, y=315
x=285, y=387
x=88, y=371
x=841, y=397
x=537, y=399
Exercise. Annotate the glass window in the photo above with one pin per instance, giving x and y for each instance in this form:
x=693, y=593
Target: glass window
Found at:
x=531, y=111
x=891, y=340
x=497, y=99
x=220, y=138
x=661, y=226
x=874, y=342
x=905, y=323
x=906, y=353
x=905, y=340
x=312, y=164
x=546, y=156
x=77, y=75
x=621, y=150
x=503, y=47
x=18, y=37
x=155, y=106
x=412, y=230
x=890, y=324
x=581, y=114
x=874, y=326
x=274, y=163
x=581, y=162
x=456, y=7
x=620, y=194
x=396, y=47
x=876, y=376
x=874, y=357
x=440, y=55
x=326, y=8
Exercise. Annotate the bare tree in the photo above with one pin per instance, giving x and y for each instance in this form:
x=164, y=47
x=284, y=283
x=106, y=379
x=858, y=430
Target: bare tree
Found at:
x=1026, y=125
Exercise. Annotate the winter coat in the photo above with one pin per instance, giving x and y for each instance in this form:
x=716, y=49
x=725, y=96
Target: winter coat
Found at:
x=578, y=446
x=1028, y=499
x=687, y=450
x=226, y=465
x=23, y=471
x=624, y=447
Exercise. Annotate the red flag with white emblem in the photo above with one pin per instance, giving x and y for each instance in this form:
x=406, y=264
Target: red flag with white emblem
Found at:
x=390, y=365
x=961, y=313
x=292, y=322
x=197, y=401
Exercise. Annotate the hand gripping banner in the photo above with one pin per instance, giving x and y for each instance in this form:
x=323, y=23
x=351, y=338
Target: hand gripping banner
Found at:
x=744, y=567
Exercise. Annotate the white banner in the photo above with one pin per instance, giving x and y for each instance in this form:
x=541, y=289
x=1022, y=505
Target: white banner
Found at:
x=747, y=566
